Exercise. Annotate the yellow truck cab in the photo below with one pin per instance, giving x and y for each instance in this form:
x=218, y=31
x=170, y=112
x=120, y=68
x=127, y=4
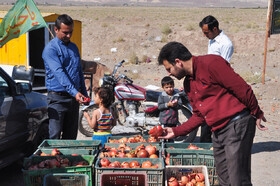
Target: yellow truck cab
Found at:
x=27, y=49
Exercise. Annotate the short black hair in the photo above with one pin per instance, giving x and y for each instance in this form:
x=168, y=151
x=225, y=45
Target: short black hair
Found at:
x=173, y=50
x=166, y=81
x=65, y=19
x=106, y=95
x=211, y=21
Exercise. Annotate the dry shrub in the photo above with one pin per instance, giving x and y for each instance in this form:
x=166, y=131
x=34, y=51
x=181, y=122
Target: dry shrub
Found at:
x=166, y=29
x=133, y=59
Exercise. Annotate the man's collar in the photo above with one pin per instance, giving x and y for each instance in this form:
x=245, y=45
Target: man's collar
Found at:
x=218, y=37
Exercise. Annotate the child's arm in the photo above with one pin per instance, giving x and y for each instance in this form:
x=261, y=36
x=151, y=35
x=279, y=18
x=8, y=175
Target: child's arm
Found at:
x=92, y=121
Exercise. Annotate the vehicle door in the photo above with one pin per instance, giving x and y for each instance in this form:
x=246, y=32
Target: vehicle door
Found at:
x=13, y=115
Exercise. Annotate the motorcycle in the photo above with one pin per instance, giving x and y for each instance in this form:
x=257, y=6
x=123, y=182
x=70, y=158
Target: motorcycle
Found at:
x=135, y=106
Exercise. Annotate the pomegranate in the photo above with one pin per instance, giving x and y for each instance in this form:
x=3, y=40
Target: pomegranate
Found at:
x=152, y=139
x=185, y=179
x=200, y=184
x=173, y=182
x=140, y=147
x=123, y=140
x=125, y=165
x=44, y=154
x=156, y=131
x=190, y=184
x=134, y=164
x=113, y=153
x=151, y=149
x=199, y=177
x=193, y=181
x=131, y=154
x=142, y=154
x=146, y=164
x=153, y=156
x=128, y=148
x=55, y=152
x=131, y=140
x=104, y=162
x=53, y=163
x=121, y=154
x=167, y=159
x=113, y=165
x=154, y=166
x=192, y=147
x=121, y=146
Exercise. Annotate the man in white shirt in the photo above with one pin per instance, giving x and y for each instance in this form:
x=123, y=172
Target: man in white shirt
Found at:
x=219, y=43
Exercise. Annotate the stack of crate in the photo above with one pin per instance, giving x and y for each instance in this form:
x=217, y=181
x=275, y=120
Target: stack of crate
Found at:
x=85, y=151
x=130, y=176
x=179, y=155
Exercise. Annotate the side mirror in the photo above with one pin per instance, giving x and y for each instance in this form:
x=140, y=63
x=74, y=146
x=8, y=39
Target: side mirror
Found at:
x=23, y=88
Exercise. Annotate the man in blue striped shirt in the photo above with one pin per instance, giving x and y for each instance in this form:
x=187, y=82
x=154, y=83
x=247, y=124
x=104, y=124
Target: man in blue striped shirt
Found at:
x=64, y=81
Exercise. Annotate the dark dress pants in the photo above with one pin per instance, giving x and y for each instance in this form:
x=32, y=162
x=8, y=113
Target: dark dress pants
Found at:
x=232, y=151
x=63, y=114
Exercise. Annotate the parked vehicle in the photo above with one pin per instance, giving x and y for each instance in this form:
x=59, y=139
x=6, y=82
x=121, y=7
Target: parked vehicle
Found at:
x=23, y=118
x=135, y=106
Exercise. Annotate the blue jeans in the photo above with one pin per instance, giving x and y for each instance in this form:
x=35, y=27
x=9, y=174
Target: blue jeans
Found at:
x=103, y=138
x=63, y=114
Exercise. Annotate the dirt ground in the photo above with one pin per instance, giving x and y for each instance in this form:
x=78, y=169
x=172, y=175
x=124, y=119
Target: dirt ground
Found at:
x=136, y=34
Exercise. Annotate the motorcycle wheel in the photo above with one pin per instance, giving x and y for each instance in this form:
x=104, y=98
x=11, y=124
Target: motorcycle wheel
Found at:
x=83, y=126
x=192, y=135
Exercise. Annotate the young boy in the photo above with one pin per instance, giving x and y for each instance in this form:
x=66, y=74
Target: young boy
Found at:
x=168, y=103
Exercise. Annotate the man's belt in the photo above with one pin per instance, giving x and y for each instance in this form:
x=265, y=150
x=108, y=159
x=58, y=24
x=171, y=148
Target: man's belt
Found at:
x=60, y=93
x=240, y=115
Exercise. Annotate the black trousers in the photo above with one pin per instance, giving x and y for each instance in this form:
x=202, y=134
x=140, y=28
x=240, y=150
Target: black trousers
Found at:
x=63, y=112
x=232, y=151
x=206, y=133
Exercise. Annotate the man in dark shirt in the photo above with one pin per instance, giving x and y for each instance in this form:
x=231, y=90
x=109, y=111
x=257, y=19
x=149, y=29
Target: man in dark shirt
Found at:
x=64, y=81
x=223, y=100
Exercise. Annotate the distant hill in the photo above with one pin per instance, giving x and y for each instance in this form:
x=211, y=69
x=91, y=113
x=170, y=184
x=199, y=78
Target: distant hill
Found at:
x=186, y=3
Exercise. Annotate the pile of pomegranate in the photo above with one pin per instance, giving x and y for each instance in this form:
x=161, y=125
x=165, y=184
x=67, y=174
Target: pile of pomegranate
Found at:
x=124, y=151
x=57, y=162
x=134, y=139
x=133, y=164
x=193, y=179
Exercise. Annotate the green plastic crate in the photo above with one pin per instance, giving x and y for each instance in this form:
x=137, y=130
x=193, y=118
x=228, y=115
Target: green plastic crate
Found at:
x=154, y=176
x=195, y=157
x=66, y=179
x=205, y=146
x=135, y=145
x=78, y=144
x=66, y=151
x=36, y=177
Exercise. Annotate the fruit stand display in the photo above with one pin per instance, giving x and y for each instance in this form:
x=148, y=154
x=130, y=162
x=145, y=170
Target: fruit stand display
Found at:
x=192, y=154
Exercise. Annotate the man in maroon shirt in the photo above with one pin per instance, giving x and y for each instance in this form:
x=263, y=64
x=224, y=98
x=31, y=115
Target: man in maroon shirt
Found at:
x=223, y=100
